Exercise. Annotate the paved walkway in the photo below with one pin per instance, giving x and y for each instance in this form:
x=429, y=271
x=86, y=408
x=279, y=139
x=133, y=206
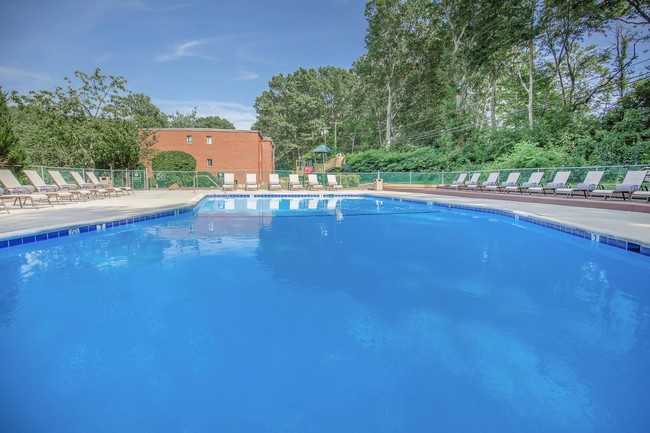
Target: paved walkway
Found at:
x=626, y=225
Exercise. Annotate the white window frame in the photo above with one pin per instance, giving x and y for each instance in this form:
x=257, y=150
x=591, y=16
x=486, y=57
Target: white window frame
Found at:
x=209, y=162
x=208, y=139
x=188, y=139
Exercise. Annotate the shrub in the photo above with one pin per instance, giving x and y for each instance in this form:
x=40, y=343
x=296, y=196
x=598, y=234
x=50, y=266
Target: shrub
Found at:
x=173, y=160
x=350, y=180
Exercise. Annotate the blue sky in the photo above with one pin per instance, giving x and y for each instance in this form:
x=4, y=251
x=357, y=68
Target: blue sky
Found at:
x=217, y=56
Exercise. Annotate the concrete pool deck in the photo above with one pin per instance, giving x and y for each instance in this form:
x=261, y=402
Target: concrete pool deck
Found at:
x=624, y=225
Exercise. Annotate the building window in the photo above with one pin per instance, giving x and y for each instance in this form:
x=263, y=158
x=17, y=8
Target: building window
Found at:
x=209, y=163
x=189, y=139
x=209, y=140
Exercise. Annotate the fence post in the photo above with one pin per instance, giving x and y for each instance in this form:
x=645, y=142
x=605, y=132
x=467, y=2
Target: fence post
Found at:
x=410, y=177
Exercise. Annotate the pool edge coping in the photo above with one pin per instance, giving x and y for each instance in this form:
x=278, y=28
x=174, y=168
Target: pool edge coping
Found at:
x=102, y=224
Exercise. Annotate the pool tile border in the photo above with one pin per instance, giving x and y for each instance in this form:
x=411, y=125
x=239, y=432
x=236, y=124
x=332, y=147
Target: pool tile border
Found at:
x=101, y=226
x=97, y=226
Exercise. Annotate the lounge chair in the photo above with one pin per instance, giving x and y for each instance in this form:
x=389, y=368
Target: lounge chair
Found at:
x=313, y=182
x=643, y=195
x=97, y=190
x=251, y=182
x=229, y=182
x=472, y=181
x=459, y=181
x=20, y=194
x=510, y=181
x=632, y=182
x=3, y=206
x=332, y=183
x=93, y=179
x=68, y=187
x=294, y=182
x=491, y=181
x=591, y=183
x=50, y=190
x=274, y=182
x=535, y=179
x=123, y=189
x=559, y=181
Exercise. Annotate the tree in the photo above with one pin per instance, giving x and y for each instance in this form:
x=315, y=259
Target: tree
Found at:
x=11, y=152
x=144, y=113
x=88, y=123
x=214, y=122
x=191, y=120
x=298, y=107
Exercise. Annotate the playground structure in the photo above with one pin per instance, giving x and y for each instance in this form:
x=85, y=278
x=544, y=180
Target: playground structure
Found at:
x=337, y=162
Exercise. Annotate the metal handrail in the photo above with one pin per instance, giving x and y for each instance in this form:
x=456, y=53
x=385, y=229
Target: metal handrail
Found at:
x=196, y=177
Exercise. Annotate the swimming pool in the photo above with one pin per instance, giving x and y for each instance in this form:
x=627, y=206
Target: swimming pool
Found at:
x=320, y=315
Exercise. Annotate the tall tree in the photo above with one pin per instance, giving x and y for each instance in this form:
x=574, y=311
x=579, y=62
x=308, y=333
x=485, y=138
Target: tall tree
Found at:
x=11, y=152
x=86, y=123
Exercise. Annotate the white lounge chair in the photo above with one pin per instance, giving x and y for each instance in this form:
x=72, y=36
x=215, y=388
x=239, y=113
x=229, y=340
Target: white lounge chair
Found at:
x=459, y=181
x=251, y=182
x=93, y=179
x=76, y=192
x=313, y=182
x=50, y=190
x=274, y=182
x=294, y=182
x=491, y=180
x=510, y=181
x=3, y=206
x=535, y=180
x=632, y=182
x=124, y=189
x=21, y=194
x=332, y=183
x=472, y=181
x=559, y=181
x=97, y=190
x=229, y=181
x=591, y=183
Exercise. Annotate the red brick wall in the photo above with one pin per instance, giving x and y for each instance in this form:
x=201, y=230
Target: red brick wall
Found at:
x=235, y=152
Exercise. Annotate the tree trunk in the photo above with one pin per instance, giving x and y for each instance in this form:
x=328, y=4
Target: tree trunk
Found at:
x=531, y=66
x=493, y=99
x=389, y=118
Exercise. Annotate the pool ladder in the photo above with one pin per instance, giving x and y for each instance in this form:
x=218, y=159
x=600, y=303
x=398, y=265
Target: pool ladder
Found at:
x=196, y=183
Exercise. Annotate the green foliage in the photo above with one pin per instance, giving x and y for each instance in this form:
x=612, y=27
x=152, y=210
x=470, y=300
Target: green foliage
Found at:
x=191, y=120
x=11, y=152
x=173, y=168
x=88, y=123
x=530, y=155
x=173, y=160
x=350, y=180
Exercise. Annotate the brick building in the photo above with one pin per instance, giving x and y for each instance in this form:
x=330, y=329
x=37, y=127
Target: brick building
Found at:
x=222, y=150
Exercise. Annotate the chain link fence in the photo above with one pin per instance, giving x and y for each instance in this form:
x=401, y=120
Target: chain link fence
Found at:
x=145, y=179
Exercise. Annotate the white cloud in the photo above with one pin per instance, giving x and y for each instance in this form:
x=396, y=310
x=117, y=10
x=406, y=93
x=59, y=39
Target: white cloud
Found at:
x=13, y=74
x=185, y=49
x=247, y=75
x=240, y=115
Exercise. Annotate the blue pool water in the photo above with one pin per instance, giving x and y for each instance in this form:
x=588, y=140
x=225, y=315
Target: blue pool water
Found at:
x=348, y=315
